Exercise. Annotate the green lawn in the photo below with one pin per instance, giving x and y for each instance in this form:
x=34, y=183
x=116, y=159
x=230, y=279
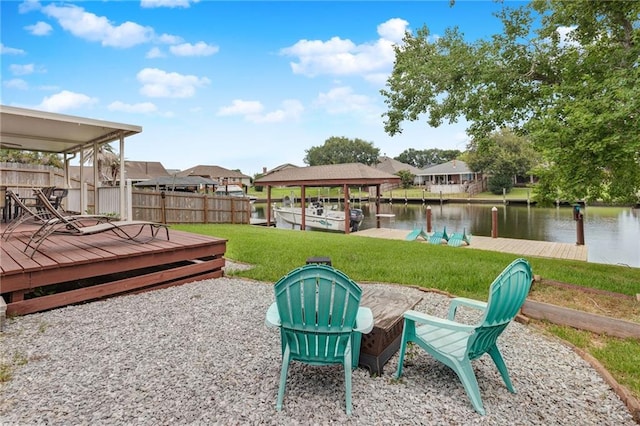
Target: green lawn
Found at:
x=274, y=252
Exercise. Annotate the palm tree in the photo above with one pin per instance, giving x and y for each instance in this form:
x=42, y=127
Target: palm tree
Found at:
x=108, y=163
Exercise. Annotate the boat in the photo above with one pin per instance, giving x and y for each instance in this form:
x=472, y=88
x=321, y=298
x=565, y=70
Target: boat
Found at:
x=317, y=217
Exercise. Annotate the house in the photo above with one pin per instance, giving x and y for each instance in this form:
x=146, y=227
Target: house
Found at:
x=136, y=171
x=391, y=166
x=220, y=174
x=451, y=177
x=278, y=168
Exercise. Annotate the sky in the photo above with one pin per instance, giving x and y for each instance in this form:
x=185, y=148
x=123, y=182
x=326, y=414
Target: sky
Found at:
x=241, y=85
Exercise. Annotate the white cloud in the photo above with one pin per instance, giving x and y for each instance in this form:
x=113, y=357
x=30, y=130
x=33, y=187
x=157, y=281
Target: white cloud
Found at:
x=169, y=39
x=22, y=69
x=253, y=111
x=291, y=110
x=341, y=100
x=29, y=5
x=91, y=27
x=39, y=29
x=240, y=107
x=157, y=83
x=5, y=50
x=343, y=57
x=16, y=83
x=167, y=3
x=393, y=30
x=66, y=100
x=199, y=49
x=155, y=52
x=139, y=108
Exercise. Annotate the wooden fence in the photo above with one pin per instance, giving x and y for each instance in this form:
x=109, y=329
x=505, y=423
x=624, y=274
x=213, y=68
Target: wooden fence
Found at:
x=159, y=206
x=185, y=207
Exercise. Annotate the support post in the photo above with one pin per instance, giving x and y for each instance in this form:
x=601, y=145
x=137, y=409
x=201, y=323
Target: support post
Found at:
x=429, y=219
x=580, y=230
x=494, y=222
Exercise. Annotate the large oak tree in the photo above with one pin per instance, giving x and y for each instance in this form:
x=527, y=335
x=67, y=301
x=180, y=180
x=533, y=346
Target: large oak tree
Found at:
x=564, y=73
x=340, y=150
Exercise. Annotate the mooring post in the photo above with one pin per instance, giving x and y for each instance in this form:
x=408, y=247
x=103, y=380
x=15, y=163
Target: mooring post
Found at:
x=579, y=218
x=429, y=219
x=494, y=222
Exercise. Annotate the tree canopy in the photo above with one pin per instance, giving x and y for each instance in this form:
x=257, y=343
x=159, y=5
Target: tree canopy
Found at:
x=565, y=74
x=427, y=157
x=30, y=157
x=340, y=150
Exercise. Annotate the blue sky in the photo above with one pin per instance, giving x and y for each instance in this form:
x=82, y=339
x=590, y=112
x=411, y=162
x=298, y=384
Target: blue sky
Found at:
x=243, y=85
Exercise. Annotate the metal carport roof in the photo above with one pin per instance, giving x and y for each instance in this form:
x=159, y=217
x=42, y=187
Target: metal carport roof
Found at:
x=42, y=131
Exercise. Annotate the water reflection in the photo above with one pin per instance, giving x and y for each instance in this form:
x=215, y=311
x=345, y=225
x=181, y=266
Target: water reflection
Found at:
x=612, y=234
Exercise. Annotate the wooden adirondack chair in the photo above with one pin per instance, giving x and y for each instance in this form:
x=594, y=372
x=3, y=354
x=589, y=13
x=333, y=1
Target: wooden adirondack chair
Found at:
x=456, y=344
x=318, y=311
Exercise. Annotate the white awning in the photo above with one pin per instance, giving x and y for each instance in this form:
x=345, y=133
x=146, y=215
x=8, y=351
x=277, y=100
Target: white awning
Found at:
x=41, y=131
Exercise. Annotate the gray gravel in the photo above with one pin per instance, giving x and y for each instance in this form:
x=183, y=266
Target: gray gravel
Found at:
x=201, y=354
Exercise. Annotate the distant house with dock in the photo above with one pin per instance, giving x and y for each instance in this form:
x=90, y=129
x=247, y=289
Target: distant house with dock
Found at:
x=451, y=177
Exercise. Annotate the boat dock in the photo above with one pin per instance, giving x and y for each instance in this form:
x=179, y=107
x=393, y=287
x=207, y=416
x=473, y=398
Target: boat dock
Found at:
x=567, y=251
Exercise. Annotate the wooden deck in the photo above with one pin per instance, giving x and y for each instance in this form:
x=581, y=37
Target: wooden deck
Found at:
x=567, y=251
x=72, y=269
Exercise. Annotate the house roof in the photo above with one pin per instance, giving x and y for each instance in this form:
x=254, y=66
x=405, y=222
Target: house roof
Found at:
x=281, y=167
x=389, y=165
x=453, y=167
x=41, y=131
x=212, y=172
x=177, y=181
x=144, y=169
x=328, y=175
x=135, y=170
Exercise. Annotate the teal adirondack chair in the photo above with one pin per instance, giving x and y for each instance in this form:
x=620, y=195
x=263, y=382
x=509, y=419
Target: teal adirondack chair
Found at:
x=437, y=237
x=458, y=238
x=456, y=344
x=417, y=233
x=318, y=311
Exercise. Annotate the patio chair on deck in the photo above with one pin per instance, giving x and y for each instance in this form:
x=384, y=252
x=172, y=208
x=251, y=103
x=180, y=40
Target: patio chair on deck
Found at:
x=73, y=225
x=318, y=311
x=27, y=213
x=456, y=344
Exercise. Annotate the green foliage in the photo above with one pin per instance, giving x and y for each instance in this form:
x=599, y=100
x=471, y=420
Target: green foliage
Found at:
x=571, y=84
x=496, y=183
x=406, y=178
x=427, y=157
x=258, y=188
x=341, y=150
x=30, y=157
x=502, y=153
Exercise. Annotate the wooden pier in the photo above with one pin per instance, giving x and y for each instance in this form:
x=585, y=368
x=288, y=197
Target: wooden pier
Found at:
x=567, y=251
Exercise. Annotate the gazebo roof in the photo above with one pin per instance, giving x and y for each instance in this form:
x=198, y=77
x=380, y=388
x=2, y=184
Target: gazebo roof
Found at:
x=328, y=175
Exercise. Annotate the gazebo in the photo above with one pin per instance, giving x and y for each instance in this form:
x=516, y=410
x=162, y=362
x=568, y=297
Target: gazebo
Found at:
x=332, y=175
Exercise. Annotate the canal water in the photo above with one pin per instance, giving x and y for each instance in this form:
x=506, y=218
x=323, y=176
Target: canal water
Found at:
x=611, y=234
